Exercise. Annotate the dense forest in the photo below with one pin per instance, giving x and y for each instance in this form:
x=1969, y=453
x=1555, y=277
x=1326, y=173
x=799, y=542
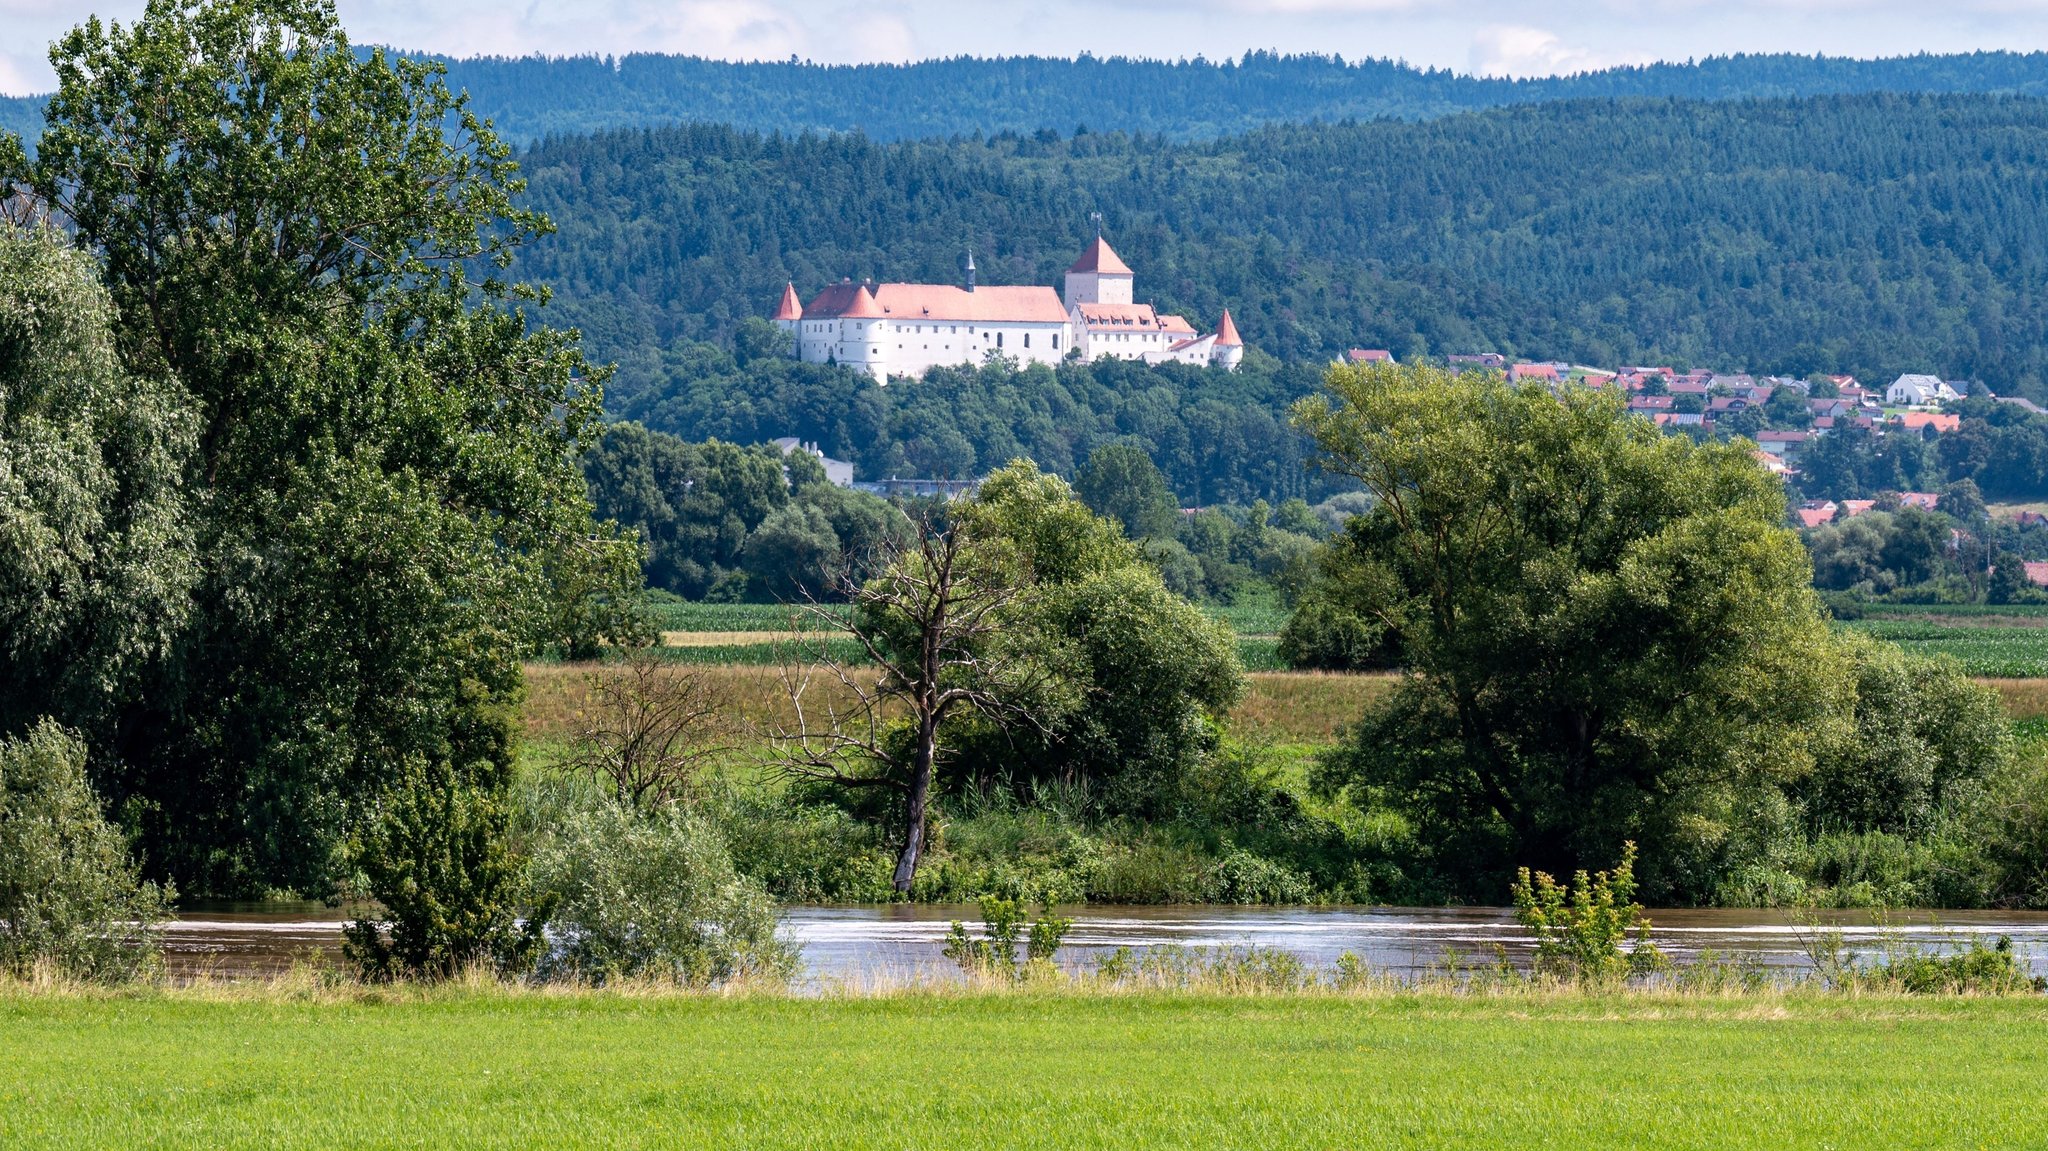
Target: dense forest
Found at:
x=533, y=97
x=1870, y=234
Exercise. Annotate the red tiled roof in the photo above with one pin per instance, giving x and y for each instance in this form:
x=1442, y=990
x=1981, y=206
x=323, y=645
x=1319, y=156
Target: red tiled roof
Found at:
x=1534, y=371
x=1370, y=356
x=843, y=300
x=2037, y=572
x=1925, y=500
x=1226, y=332
x=1941, y=422
x=1857, y=507
x=1814, y=517
x=939, y=303
x=789, y=308
x=1098, y=258
x=1770, y=437
x=910, y=303
x=1124, y=316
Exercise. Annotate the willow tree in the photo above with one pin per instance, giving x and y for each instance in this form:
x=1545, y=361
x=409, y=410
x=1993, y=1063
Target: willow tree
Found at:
x=381, y=482
x=1609, y=635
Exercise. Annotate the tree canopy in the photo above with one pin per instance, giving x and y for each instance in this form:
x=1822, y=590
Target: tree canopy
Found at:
x=377, y=451
x=1609, y=633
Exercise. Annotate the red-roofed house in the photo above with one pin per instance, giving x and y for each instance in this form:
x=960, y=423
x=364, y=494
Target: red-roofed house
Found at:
x=1369, y=356
x=1923, y=500
x=1814, y=513
x=1920, y=421
x=2037, y=572
x=1543, y=373
x=1853, y=508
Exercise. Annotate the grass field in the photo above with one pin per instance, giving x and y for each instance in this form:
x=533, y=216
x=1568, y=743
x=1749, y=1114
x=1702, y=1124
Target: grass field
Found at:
x=1055, y=1070
x=1279, y=707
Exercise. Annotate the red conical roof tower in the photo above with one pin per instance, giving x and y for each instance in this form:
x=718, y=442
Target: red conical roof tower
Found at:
x=789, y=308
x=864, y=306
x=1226, y=333
x=1098, y=258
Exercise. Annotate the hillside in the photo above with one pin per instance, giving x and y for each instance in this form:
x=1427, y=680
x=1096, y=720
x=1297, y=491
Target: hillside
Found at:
x=1870, y=234
x=533, y=97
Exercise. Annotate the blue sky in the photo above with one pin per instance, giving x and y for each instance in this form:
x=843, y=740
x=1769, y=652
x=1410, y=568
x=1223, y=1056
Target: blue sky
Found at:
x=1499, y=37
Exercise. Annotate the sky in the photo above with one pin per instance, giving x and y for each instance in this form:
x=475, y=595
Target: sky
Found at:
x=1487, y=37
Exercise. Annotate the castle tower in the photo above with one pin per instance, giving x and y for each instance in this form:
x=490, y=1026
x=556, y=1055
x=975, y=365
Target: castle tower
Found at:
x=863, y=330
x=1229, y=346
x=788, y=315
x=1098, y=277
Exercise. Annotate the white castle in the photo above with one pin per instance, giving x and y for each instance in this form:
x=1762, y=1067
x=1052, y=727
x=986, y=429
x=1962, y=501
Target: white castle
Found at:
x=906, y=329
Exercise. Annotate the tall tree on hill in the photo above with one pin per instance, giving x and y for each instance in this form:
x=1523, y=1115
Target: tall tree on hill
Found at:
x=384, y=496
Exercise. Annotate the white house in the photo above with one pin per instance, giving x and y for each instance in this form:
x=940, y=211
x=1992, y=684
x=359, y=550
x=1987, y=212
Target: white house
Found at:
x=1919, y=391
x=907, y=329
x=838, y=473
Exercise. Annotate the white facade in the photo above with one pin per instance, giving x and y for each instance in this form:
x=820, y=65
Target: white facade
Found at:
x=897, y=330
x=1919, y=391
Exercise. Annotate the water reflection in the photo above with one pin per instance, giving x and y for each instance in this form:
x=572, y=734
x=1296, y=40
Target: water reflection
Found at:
x=856, y=943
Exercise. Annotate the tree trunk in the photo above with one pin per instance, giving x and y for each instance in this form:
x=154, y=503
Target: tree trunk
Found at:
x=915, y=801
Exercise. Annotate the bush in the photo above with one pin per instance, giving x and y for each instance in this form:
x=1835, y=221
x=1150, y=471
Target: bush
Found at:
x=652, y=896
x=1981, y=970
x=69, y=896
x=437, y=859
x=1580, y=929
x=995, y=953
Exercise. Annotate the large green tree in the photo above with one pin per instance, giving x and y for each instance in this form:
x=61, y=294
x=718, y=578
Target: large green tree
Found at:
x=96, y=557
x=383, y=493
x=1609, y=634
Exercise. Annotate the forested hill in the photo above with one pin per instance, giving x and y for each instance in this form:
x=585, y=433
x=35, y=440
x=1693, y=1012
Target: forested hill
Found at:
x=1872, y=234
x=534, y=97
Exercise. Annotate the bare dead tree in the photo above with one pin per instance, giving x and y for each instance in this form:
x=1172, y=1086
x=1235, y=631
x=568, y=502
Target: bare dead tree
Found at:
x=928, y=626
x=651, y=729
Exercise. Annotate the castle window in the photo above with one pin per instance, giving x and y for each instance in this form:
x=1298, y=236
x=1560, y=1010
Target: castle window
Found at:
x=1055, y=341
x=1027, y=339
x=999, y=339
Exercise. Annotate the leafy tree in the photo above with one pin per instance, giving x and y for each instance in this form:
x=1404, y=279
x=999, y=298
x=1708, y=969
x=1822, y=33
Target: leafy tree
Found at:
x=1121, y=483
x=69, y=895
x=382, y=490
x=1146, y=674
x=1924, y=734
x=934, y=621
x=96, y=559
x=1608, y=632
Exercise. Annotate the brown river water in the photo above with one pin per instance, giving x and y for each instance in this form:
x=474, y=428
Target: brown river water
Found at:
x=856, y=943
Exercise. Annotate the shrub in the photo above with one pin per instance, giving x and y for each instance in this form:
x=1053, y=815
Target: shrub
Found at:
x=1241, y=877
x=1980, y=970
x=437, y=859
x=652, y=896
x=1580, y=930
x=69, y=896
x=995, y=953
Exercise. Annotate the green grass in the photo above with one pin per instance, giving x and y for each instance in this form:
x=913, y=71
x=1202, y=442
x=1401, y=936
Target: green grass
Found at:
x=486, y=1070
x=1253, y=619
x=672, y=614
x=2002, y=652
x=1257, y=654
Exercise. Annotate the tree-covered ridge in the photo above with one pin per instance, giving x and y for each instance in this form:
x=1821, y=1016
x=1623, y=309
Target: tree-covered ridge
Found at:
x=531, y=98
x=1870, y=234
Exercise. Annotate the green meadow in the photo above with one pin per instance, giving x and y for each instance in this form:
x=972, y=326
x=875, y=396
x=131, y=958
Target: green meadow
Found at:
x=487, y=1069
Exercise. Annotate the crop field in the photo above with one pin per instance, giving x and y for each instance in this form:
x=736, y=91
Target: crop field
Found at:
x=489, y=1069
x=1986, y=645
x=674, y=615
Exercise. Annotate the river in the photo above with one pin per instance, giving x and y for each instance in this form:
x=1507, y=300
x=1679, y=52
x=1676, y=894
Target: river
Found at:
x=869, y=943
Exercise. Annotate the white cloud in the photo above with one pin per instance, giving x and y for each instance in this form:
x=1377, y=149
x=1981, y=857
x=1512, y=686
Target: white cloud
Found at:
x=1517, y=50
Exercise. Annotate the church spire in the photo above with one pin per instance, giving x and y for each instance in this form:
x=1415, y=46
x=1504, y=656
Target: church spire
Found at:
x=970, y=269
